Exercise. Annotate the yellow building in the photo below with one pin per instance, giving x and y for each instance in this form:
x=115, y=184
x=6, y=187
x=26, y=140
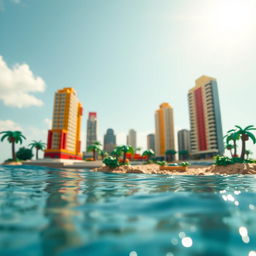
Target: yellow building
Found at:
x=64, y=137
x=164, y=129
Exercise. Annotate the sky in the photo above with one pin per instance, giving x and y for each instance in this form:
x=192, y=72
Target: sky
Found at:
x=124, y=58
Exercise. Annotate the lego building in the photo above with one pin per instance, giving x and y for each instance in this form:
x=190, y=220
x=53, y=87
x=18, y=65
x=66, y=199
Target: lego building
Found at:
x=64, y=140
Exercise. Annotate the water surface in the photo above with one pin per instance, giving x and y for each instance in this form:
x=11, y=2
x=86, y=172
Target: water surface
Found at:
x=47, y=211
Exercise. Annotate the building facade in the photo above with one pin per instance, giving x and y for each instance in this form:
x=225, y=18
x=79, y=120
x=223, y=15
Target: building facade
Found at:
x=64, y=138
x=164, y=129
x=183, y=143
x=132, y=138
x=151, y=141
x=91, y=134
x=206, y=136
x=109, y=141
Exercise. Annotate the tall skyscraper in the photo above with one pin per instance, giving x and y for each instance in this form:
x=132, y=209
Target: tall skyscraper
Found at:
x=64, y=137
x=183, y=142
x=151, y=141
x=132, y=138
x=109, y=140
x=206, y=136
x=91, y=135
x=164, y=129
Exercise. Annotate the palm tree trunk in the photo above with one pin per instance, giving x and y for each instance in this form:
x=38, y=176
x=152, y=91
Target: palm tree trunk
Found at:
x=37, y=154
x=124, y=157
x=13, y=151
x=231, y=152
x=235, y=150
x=94, y=155
x=243, y=148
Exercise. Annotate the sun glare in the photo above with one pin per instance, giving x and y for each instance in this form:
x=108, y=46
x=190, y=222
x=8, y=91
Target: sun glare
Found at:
x=233, y=15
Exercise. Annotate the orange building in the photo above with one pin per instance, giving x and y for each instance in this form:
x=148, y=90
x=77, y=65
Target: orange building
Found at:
x=64, y=137
x=164, y=129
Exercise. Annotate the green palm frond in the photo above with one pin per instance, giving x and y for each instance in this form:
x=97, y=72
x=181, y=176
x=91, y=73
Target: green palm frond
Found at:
x=4, y=136
x=37, y=144
x=149, y=152
x=13, y=136
x=239, y=127
x=248, y=127
x=253, y=138
x=127, y=149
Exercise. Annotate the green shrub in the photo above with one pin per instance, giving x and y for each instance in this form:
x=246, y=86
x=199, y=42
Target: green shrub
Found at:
x=237, y=160
x=11, y=160
x=161, y=163
x=111, y=162
x=184, y=164
x=250, y=161
x=24, y=153
x=223, y=160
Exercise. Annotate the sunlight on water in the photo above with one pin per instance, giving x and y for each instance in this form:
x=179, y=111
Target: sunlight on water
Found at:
x=77, y=212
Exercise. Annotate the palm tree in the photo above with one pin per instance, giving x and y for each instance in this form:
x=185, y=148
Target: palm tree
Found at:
x=171, y=153
x=116, y=152
x=148, y=153
x=245, y=135
x=233, y=136
x=103, y=154
x=95, y=147
x=38, y=145
x=230, y=147
x=13, y=137
x=126, y=149
x=183, y=154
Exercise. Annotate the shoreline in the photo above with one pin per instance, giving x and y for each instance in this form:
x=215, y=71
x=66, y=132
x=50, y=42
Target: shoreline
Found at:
x=237, y=168
x=191, y=170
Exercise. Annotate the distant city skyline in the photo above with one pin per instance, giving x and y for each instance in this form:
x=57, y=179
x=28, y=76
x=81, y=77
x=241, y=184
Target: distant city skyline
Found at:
x=164, y=129
x=109, y=141
x=91, y=129
x=156, y=55
x=183, y=144
x=151, y=141
x=131, y=138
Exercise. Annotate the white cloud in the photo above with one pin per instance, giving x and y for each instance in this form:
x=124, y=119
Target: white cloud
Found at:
x=17, y=84
x=9, y=125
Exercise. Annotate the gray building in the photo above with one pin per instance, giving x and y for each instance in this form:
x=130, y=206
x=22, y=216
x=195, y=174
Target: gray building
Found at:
x=91, y=135
x=151, y=141
x=109, y=141
x=183, y=142
x=132, y=138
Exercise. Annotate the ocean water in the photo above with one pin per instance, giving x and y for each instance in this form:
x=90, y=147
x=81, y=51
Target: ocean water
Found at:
x=47, y=211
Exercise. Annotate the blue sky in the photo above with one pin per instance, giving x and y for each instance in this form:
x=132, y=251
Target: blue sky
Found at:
x=124, y=58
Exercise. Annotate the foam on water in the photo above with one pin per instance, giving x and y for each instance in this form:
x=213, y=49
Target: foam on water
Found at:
x=77, y=212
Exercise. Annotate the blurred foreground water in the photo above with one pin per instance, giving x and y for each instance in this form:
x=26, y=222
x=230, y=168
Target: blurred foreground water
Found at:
x=47, y=211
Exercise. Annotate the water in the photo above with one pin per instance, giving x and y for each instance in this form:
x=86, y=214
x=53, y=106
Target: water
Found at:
x=76, y=212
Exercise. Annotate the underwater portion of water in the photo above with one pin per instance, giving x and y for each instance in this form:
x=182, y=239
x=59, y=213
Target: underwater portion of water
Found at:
x=48, y=212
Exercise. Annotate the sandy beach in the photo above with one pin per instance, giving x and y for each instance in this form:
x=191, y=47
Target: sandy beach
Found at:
x=209, y=170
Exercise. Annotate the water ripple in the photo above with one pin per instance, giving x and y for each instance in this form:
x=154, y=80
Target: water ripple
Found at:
x=47, y=211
